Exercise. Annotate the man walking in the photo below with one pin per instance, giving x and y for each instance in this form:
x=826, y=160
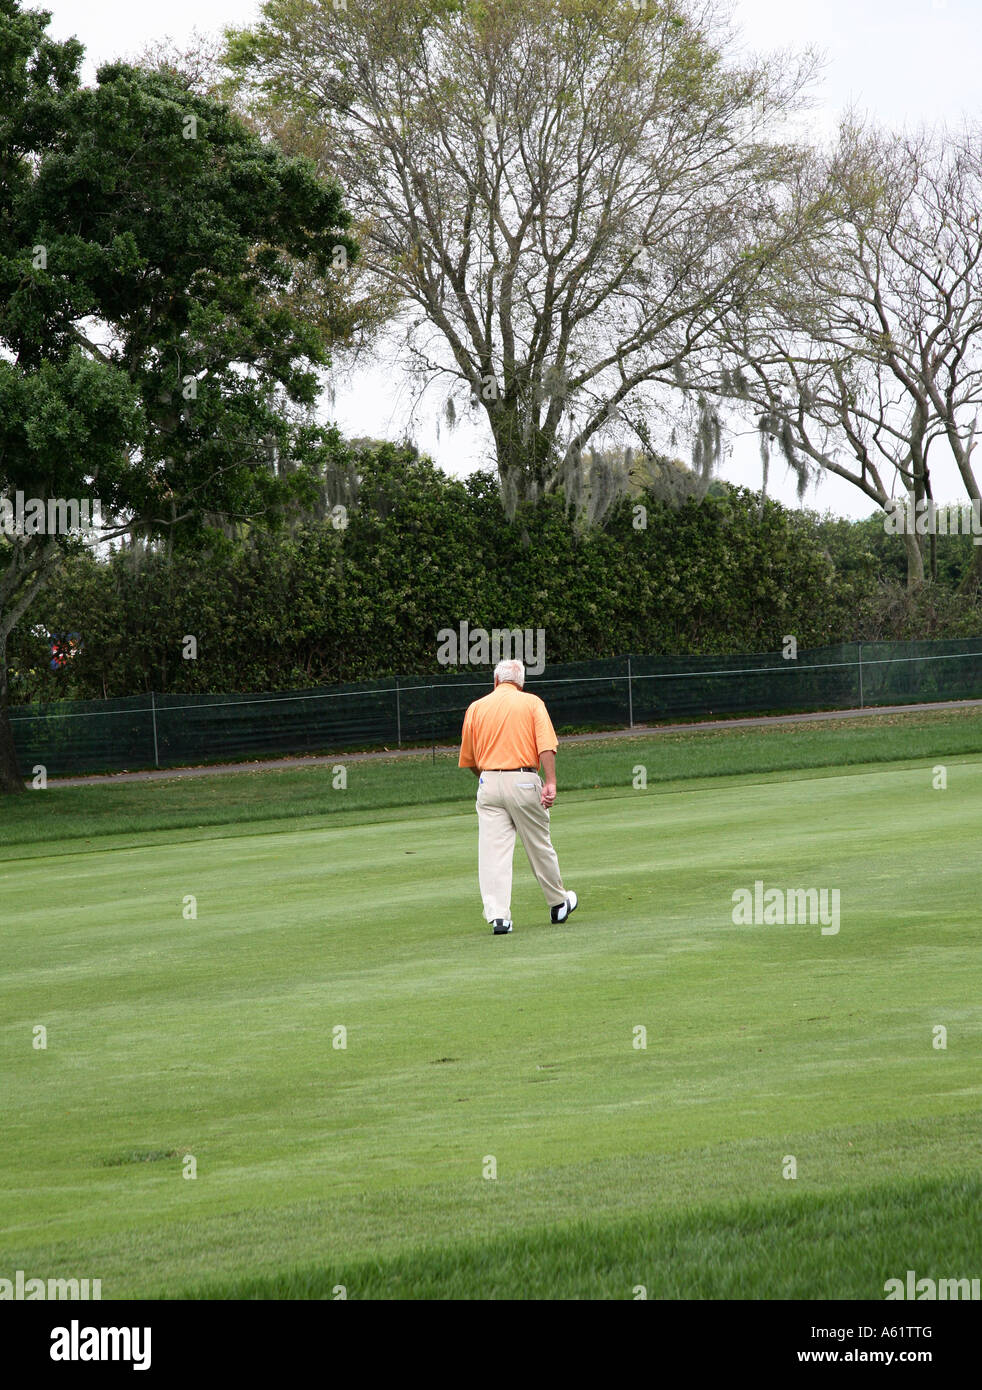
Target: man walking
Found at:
x=505, y=737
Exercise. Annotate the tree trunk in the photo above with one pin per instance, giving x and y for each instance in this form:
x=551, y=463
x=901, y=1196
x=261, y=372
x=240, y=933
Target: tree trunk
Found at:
x=915, y=560
x=527, y=465
x=10, y=778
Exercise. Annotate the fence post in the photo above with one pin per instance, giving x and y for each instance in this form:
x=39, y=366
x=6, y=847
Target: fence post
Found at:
x=630, y=697
x=153, y=711
x=398, y=717
x=861, y=706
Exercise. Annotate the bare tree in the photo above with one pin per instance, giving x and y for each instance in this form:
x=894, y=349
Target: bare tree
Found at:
x=863, y=357
x=197, y=59
x=564, y=198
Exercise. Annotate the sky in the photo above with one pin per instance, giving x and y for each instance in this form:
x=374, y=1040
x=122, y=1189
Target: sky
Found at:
x=904, y=62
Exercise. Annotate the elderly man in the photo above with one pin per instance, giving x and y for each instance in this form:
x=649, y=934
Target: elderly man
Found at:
x=505, y=737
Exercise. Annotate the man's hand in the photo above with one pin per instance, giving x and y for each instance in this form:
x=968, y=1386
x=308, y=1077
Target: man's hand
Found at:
x=548, y=761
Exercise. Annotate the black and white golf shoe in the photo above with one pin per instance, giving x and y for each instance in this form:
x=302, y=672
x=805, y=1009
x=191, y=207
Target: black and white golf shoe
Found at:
x=501, y=926
x=561, y=911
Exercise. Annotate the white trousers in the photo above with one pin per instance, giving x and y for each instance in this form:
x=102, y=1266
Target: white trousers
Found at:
x=508, y=802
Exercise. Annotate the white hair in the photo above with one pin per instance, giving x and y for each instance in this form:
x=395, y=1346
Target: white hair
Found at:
x=510, y=671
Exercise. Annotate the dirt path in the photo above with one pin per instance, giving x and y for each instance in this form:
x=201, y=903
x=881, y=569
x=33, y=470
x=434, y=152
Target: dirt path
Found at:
x=639, y=731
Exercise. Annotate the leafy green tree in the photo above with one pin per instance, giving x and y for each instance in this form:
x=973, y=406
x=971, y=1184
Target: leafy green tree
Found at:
x=148, y=355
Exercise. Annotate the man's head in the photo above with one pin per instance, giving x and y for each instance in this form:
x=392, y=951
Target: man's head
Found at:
x=512, y=671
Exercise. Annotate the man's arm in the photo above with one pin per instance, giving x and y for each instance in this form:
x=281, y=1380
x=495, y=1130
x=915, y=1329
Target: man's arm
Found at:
x=466, y=758
x=548, y=761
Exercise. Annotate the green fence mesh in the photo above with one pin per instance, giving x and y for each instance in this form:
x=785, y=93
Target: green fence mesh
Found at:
x=77, y=736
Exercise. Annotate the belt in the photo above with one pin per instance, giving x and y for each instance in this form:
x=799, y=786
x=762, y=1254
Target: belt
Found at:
x=510, y=769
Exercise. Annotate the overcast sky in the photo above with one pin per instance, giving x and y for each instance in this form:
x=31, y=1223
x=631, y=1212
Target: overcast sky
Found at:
x=903, y=61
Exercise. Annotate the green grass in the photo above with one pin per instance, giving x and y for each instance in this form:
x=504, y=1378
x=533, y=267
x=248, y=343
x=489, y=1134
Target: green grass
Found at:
x=229, y=801
x=616, y=1166
x=794, y=1248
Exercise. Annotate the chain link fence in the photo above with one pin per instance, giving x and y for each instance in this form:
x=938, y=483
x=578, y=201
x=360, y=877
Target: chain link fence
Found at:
x=141, y=731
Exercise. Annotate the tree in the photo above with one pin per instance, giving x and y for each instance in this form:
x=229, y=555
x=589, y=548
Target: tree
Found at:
x=863, y=356
x=147, y=358
x=563, y=195
x=340, y=303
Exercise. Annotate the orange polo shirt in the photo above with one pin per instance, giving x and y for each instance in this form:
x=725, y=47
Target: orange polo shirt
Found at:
x=508, y=728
